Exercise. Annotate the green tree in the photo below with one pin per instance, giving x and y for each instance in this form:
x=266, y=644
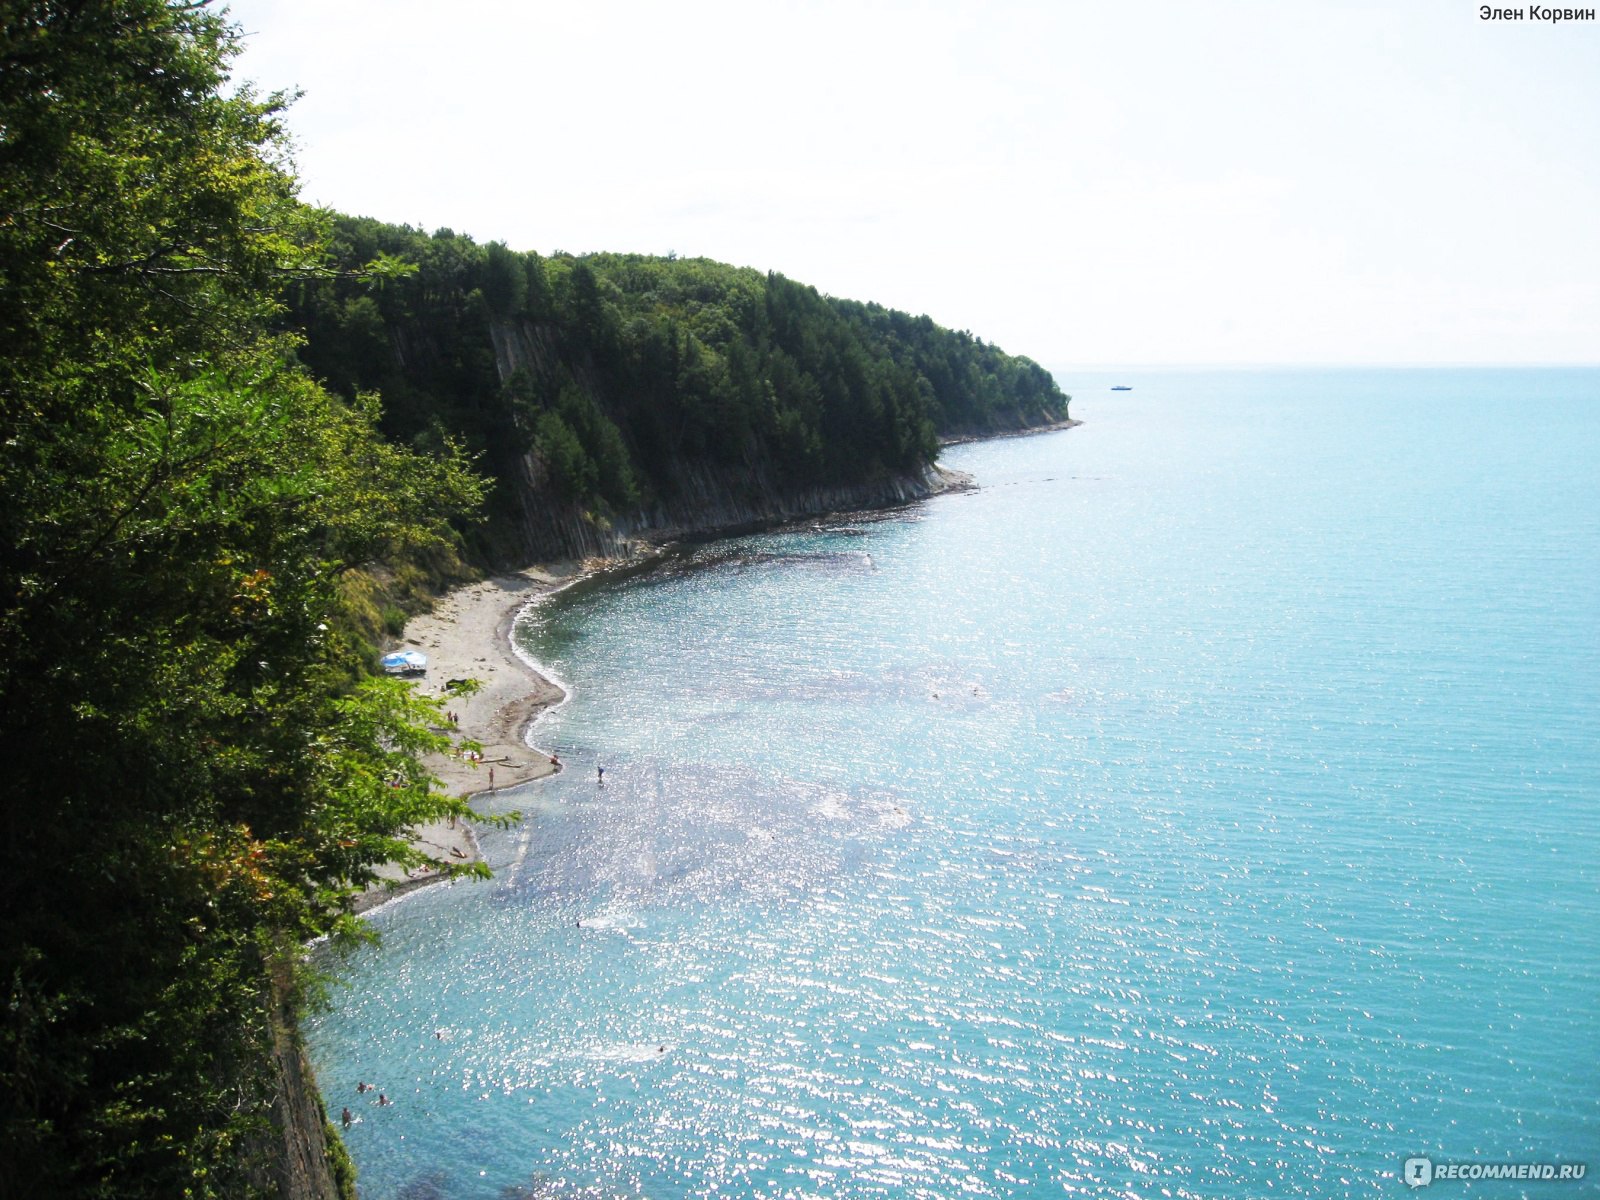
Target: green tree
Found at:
x=198, y=784
x=505, y=281
x=668, y=375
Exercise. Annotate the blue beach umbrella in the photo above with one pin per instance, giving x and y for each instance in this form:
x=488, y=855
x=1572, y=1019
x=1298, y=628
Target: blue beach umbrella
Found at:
x=404, y=661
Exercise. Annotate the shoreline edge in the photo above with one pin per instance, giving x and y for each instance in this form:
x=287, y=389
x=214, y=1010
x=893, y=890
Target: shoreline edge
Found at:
x=468, y=634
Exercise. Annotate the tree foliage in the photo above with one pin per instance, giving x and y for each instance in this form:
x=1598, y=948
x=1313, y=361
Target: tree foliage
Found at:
x=196, y=781
x=195, y=784
x=625, y=374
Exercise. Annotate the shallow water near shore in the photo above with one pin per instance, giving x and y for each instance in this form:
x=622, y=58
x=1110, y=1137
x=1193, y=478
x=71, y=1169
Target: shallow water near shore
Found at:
x=1207, y=806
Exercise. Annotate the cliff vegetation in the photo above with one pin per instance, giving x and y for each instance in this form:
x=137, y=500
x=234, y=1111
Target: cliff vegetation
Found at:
x=238, y=438
x=620, y=394
x=195, y=779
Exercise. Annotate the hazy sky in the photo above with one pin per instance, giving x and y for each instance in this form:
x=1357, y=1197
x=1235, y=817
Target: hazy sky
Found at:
x=1081, y=182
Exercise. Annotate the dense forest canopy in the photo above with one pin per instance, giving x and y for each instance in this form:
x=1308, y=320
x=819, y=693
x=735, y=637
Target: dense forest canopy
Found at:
x=618, y=371
x=195, y=781
x=216, y=406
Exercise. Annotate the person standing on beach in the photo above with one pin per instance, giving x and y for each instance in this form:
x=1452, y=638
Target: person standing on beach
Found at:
x=491, y=779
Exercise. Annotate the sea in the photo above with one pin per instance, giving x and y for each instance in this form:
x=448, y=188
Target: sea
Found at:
x=1206, y=805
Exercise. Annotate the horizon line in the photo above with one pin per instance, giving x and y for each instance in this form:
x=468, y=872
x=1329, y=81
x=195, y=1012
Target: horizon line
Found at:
x=1322, y=366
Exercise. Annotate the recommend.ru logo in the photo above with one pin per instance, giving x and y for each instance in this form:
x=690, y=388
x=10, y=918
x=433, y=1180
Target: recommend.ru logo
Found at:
x=1420, y=1172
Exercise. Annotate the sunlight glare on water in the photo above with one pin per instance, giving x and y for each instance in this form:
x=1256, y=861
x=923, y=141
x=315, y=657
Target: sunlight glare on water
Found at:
x=1204, y=807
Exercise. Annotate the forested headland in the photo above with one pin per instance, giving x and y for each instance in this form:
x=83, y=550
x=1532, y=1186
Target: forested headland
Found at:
x=615, y=394
x=218, y=408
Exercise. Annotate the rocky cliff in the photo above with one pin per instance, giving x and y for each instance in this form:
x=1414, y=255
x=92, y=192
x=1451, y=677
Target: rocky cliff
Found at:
x=298, y=1156
x=688, y=497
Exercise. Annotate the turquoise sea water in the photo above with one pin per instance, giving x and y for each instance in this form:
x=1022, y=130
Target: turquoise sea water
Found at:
x=1208, y=806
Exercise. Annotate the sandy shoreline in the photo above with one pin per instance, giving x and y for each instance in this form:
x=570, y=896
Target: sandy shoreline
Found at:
x=468, y=635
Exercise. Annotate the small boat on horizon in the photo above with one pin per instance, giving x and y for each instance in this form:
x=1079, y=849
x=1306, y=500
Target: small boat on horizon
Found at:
x=1121, y=387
